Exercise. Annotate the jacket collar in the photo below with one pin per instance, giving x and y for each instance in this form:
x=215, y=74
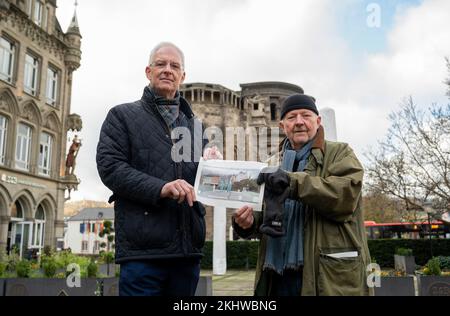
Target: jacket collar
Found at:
x=149, y=102
x=319, y=141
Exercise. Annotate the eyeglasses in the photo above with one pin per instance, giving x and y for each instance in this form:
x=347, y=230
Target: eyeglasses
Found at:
x=162, y=64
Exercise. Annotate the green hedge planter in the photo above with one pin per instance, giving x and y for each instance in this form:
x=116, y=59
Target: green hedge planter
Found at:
x=383, y=250
x=405, y=264
x=204, y=287
x=48, y=287
x=396, y=286
x=244, y=254
x=431, y=285
x=58, y=287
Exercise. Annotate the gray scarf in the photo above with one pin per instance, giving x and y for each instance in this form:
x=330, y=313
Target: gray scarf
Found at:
x=287, y=252
x=168, y=108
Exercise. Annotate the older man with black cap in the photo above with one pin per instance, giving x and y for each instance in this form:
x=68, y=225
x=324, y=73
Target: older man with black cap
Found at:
x=312, y=233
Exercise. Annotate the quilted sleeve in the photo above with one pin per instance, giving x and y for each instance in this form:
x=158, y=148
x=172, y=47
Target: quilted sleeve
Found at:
x=113, y=156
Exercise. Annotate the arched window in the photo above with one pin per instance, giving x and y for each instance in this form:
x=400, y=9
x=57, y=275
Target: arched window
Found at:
x=37, y=238
x=40, y=214
x=17, y=210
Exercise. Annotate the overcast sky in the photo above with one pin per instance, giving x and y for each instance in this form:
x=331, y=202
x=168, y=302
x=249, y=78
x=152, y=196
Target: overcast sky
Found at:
x=325, y=46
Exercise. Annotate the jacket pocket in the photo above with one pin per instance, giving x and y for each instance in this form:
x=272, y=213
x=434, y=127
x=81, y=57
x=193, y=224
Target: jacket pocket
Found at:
x=340, y=276
x=198, y=226
x=147, y=229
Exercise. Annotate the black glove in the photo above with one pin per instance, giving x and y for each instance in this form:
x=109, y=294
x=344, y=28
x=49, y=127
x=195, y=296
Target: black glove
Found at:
x=276, y=191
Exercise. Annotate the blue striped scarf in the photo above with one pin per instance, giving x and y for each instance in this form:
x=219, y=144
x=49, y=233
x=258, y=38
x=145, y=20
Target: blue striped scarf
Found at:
x=286, y=252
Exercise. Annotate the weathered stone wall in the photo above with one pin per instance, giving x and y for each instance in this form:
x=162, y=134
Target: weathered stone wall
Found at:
x=218, y=106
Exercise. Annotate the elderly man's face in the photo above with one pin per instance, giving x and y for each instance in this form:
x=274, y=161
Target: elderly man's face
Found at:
x=300, y=126
x=166, y=72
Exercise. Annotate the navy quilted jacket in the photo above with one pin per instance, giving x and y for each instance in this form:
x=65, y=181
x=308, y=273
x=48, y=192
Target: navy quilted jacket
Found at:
x=134, y=161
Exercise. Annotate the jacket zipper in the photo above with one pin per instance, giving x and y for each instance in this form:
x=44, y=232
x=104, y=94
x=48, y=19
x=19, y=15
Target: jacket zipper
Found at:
x=179, y=176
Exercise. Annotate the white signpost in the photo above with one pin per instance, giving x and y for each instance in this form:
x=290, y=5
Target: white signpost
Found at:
x=220, y=241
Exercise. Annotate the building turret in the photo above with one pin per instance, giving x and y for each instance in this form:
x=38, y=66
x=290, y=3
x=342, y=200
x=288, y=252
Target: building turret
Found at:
x=73, y=40
x=4, y=8
x=37, y=61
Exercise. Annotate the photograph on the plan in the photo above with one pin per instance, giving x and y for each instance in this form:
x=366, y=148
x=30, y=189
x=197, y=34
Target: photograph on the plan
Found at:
x=230, y=184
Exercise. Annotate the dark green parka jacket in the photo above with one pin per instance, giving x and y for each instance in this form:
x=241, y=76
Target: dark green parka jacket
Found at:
x=330, y=187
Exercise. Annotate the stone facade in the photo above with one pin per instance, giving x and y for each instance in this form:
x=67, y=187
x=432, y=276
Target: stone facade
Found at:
x=257, y=105
x=34, y=192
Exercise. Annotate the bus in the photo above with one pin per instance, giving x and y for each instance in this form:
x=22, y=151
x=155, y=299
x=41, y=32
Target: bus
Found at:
x=407, y=230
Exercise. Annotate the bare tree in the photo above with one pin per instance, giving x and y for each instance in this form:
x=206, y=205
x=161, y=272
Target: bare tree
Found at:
x=413, y=162
x=381, y=208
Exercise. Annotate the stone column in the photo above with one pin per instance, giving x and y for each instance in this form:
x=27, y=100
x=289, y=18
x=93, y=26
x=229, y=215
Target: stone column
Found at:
x=59, y=232
x=57, y=222
x=4, y=222
x=219, y=242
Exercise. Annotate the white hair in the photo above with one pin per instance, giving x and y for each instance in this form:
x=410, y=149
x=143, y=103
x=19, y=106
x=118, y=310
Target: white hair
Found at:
x=166, y=44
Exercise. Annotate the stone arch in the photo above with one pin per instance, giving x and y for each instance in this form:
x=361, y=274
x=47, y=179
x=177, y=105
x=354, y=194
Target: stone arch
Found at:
x=30, y=111
x=8, y=102
x=52, y=122
x=49, y=205
x=26, y=199
x=5, y=193
x=5, y=201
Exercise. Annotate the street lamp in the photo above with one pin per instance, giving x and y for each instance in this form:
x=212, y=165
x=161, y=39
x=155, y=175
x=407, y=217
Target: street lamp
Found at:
x=428, y=208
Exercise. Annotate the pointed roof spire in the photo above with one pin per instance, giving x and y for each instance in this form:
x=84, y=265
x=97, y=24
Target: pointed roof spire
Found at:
x=74, y=27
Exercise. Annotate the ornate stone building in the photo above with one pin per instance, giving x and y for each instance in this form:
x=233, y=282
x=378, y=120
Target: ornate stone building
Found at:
x=37, y=60
x=257, y=105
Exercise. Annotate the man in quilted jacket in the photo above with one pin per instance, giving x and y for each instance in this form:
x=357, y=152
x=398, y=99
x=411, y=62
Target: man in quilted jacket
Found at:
x=159, y=225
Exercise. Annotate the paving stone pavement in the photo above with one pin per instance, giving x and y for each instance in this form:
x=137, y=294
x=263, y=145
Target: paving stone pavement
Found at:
x=234, y=283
